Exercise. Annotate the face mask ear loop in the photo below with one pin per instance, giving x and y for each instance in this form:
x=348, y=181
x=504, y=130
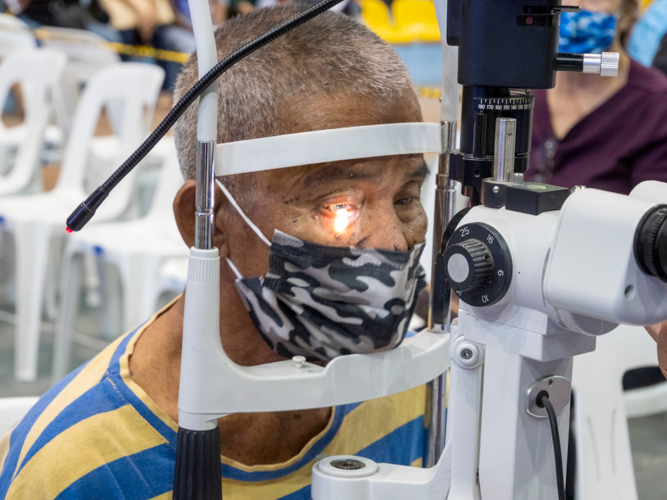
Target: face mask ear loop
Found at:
x=243, y=215
x=231, y=265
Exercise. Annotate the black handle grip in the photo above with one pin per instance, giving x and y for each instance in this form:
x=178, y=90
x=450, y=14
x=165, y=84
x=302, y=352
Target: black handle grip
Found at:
x=198, y=473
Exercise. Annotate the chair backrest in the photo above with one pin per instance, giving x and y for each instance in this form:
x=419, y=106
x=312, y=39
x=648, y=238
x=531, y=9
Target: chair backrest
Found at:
x=87, y=53
x=134, y=88
x=12, y=410
x=161, y=213
x=14, y=35
x=37, y=72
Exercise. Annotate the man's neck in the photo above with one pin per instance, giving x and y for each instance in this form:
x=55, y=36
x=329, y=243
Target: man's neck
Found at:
x=249, y=438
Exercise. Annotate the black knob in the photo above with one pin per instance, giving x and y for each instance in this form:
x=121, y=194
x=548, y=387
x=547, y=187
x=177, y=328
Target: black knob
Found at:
x=468, y=265
x=651, y=243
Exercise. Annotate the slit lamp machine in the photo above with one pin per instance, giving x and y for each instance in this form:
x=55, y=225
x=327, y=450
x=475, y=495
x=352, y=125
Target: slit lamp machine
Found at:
x=539, y=271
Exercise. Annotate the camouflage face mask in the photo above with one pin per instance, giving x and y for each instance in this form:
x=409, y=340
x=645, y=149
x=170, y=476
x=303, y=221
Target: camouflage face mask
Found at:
x=320, y=301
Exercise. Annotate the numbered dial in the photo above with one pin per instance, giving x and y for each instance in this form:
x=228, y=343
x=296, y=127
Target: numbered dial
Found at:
x=469, y=265
x=478, y=264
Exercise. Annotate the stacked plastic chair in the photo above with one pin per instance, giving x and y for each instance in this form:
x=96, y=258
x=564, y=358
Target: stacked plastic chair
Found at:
x=38, y=73
x=37, y=222
x=173, y=276
x=14, y=35
x=87, y=53
x=138, y=249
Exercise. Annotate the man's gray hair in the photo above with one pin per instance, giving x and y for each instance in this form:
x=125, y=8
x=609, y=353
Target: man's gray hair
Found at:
x=331, y=55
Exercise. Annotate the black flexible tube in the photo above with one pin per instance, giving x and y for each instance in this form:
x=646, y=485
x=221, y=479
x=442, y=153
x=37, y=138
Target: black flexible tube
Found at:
x=84, y=212
x=558, y=454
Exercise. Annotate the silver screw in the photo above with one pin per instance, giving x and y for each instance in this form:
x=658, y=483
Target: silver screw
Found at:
x=496, y=189
x=466, y=354
x=348, y=464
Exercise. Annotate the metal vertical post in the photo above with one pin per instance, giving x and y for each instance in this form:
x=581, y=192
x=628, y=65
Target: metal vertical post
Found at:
x=445, y=208
x=503, y=157
x=439, y=317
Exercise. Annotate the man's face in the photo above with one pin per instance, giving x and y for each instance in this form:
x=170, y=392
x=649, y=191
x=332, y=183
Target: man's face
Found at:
x=365, y=203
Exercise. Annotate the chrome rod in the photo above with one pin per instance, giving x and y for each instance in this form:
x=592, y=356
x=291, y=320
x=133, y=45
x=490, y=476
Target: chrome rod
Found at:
x=445, y=205
x=434, y=420
x=503, y=158
x=439, y=300
x=205, y=195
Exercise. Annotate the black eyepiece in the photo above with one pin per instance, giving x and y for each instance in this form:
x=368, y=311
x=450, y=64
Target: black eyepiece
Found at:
x=651, y=243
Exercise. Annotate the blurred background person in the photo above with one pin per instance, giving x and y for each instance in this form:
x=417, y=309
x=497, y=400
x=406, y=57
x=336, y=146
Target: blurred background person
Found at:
x=78, y=14
x=605, y=133
x=648, y=33
x=660, y=58
x=152, y=23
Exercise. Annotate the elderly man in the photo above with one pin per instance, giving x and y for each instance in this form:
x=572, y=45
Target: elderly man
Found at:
x=109, y=429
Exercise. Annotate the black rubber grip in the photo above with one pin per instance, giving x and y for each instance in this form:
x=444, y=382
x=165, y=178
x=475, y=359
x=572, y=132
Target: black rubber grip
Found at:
x=198, y=474
x=84, y=212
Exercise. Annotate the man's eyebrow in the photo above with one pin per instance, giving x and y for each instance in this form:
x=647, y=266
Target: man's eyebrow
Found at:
x=330, y=172
x=422, y=172
x=333, y=173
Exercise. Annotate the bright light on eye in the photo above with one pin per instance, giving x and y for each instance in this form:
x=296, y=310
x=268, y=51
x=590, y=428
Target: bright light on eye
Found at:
x=342, y=218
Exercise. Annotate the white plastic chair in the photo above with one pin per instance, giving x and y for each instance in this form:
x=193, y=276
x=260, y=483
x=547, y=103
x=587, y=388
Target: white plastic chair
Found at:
x=604, y=457
x=173, y=276
x=137, y=248
x=87, y=53
x=38, y=221
x=12, y=410
x=37, y=72
x=14, y=35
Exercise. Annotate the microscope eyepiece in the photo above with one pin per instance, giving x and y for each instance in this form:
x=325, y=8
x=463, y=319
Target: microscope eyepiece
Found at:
x=651, y=242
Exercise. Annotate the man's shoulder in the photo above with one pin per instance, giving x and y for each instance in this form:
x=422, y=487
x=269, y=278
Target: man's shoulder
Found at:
x=389, y=429
x=84, y=429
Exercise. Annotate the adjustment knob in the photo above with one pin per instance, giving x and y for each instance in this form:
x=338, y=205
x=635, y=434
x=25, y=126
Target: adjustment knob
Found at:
x=468, y=265
x=651, y=243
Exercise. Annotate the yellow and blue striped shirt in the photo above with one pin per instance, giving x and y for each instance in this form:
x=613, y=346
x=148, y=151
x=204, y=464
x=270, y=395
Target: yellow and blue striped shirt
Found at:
x=97, y=435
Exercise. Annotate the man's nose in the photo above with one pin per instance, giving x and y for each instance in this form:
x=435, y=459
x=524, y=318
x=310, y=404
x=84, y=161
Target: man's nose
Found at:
x=384, y=230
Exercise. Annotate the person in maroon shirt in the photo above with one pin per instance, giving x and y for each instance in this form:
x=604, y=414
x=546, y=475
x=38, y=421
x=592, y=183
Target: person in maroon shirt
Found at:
x=598, y=132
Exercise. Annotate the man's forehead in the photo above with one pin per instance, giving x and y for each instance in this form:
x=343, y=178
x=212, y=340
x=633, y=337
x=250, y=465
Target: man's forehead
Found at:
x=375, y=170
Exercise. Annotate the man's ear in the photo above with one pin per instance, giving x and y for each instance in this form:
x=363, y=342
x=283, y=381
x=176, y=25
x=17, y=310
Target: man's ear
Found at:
x=184, y=212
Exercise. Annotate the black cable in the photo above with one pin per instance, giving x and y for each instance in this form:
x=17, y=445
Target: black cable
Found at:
x=86, y=210
x=543, y=399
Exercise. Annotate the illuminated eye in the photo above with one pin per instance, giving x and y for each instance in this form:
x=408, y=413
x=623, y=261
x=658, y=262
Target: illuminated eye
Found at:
x=343, y=215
